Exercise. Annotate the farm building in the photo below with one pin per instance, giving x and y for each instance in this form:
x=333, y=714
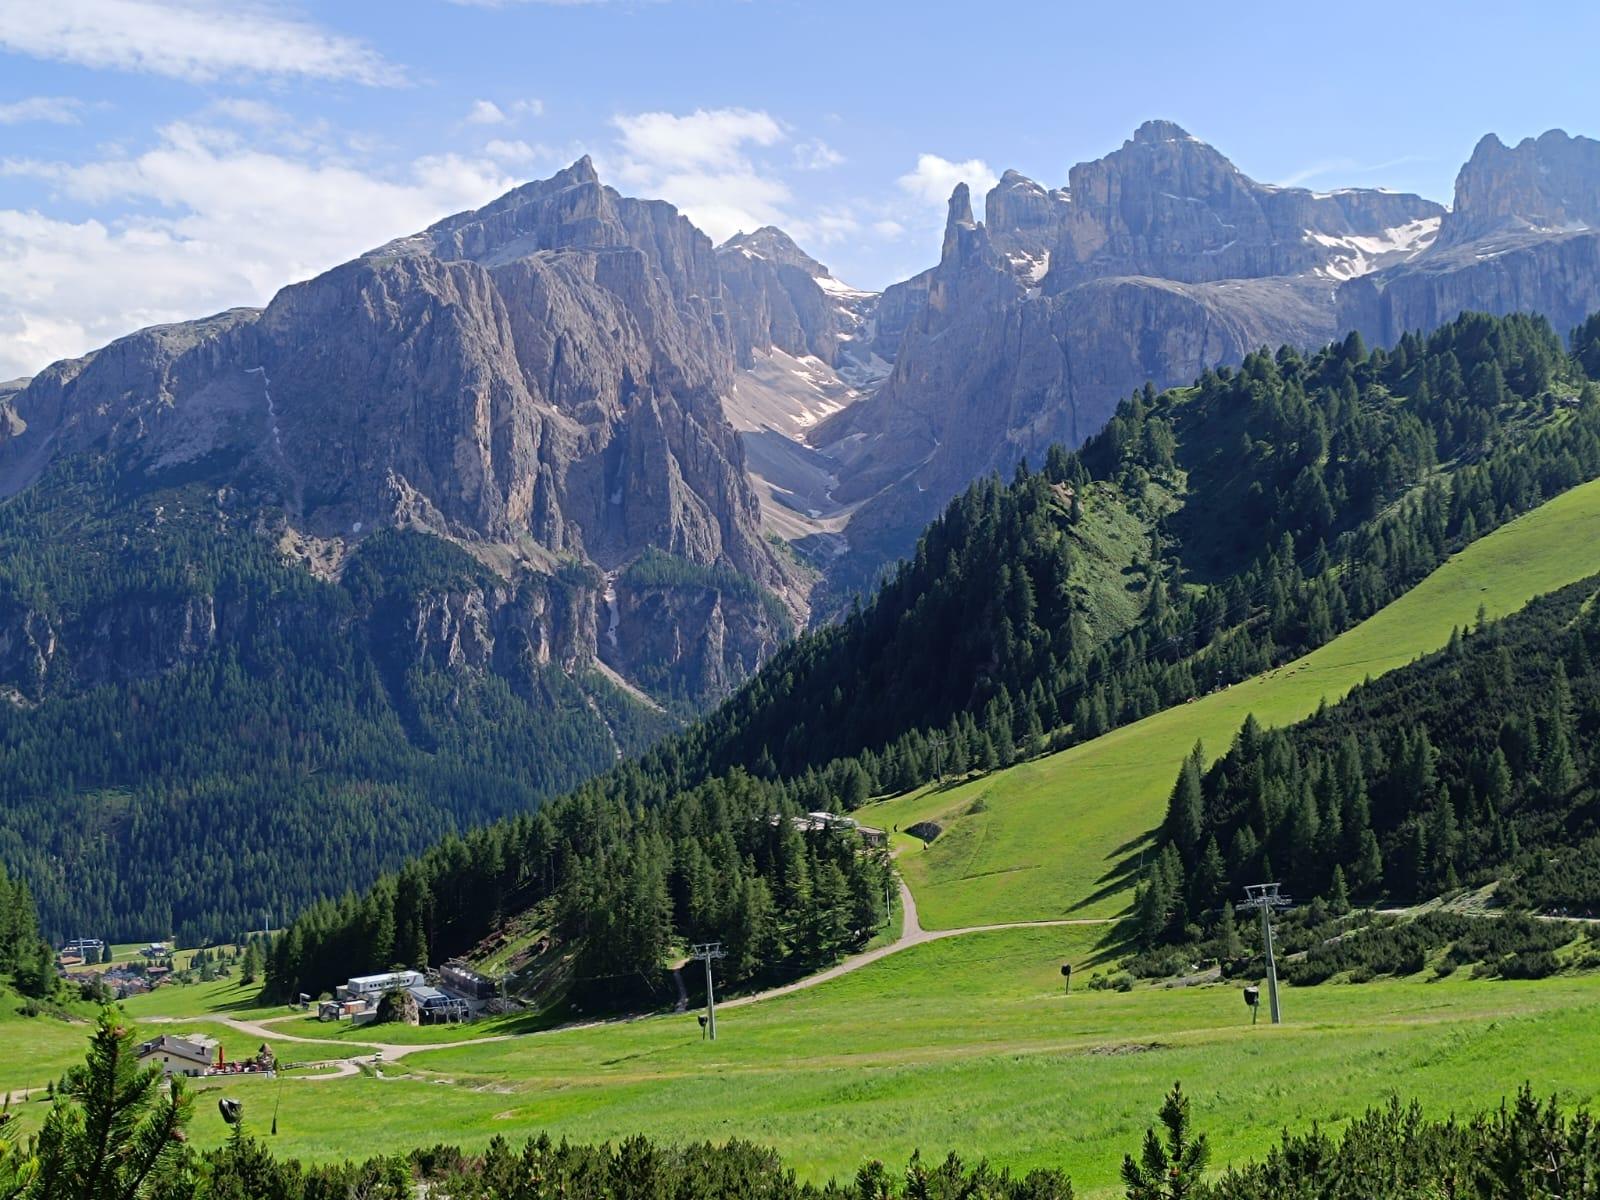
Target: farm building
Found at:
x=192, y=1054
x=822, y=822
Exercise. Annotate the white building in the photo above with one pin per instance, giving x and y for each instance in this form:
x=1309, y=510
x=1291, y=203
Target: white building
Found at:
x=374, y=987
x=191, y=1054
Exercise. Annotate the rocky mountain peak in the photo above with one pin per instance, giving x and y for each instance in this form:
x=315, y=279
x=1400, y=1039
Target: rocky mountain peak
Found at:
x=1024, y=220
x=962, y=233
x=1157, y=131
x=774, y=245
x=1543, y=185
x=960, y=209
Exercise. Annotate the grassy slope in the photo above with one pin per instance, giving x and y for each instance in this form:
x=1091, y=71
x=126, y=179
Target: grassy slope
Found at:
x=38, y=1049
x=968, y=1044
x=1063, y=835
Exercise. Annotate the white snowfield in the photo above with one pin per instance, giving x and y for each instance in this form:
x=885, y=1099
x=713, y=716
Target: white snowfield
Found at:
x=1357, y=254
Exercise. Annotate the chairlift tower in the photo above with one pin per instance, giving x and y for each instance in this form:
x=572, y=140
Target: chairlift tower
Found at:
x=1267, y=899
x=705, y=952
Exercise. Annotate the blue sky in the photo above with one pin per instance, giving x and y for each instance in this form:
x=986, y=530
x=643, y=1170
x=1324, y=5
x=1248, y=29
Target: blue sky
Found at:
x=161, y=159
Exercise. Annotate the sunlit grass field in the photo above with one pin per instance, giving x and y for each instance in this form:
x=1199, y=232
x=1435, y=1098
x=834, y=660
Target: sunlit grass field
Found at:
x=1062, y=836
x=969, y=1044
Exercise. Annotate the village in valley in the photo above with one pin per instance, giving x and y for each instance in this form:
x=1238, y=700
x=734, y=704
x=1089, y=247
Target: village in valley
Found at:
x=451, y=994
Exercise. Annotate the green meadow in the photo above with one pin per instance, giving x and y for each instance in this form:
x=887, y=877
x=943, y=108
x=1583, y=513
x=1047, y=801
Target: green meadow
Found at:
x=968, y=1044
x=1062, y=836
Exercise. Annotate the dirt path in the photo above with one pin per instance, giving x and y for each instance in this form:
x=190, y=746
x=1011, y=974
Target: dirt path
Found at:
x=911, y=934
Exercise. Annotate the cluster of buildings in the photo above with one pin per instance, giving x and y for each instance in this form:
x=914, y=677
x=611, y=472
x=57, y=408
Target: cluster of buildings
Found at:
x=80, y=960
x=453, y=993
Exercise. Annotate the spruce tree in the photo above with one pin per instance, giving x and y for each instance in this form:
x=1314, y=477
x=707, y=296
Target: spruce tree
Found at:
x=115, y=1128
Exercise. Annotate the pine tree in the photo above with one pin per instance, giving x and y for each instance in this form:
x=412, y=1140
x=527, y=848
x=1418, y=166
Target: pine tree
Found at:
x=1338, y=893
x=1171, y=1164
x=1228, y=934
x=115, y=1128
x=1185, y=808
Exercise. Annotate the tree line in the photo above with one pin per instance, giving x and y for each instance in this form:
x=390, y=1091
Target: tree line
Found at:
x=26, y=959
x=1018, y=669
x=1475, y=763
x=627, y=884
x=151, y=786
x=1279, y=504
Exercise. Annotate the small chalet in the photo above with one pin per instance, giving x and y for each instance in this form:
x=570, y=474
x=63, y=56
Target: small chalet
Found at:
x=192, y=1054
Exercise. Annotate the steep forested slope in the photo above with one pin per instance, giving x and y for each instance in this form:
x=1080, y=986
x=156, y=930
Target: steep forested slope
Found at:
x=1472, y=764
x=244, y=737
x=1208, y=533
x=989, y=630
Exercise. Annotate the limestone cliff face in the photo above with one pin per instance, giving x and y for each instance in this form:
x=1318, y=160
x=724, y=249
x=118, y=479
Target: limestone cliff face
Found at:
x=1170, y=206
x=540, y=379
x=1523, y=236
x=778, y=297
x=1157, y=262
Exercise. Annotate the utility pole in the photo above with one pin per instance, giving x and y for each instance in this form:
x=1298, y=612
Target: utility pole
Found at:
x=705, y=952
x=1266, y=898
x=936, y=743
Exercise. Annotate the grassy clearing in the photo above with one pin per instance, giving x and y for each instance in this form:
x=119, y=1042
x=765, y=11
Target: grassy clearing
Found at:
x=221, y=997
x=1062, y=836
x=39, y=1049
x=969, y=1044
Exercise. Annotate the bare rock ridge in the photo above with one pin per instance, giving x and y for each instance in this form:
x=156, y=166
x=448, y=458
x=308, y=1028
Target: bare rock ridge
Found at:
x=540, y=380
x=1158, y=261
x=617, y=416
x=1522, y=236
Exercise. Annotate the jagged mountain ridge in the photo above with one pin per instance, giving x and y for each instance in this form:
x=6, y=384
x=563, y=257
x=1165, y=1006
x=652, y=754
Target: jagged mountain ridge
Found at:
x=613, y=383
x=540, y=380
x=1156, y=262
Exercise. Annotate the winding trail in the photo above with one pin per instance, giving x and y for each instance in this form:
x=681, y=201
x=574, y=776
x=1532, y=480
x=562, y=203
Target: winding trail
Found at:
x=911, y=934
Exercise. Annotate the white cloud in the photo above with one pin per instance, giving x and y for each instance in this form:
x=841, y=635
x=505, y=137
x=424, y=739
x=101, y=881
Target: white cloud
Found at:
x=888, y=229
x=210, y=224
x=197, y=40
x=702, y=162
x=827, y=227
x=487, y=112
x=935, y=178
x=704, y=138
x=250, y=112
x=816, y=155
x=516, y=154
x=51, y=110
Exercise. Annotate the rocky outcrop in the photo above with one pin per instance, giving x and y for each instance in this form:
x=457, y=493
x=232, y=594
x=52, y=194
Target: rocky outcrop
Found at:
x=654, y=642
x=1156, y=262
x=778, y=297
x=1548, y=184
x=543, y=376
x=1163, y=259
x=1523, y=236
x=1170, y=206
